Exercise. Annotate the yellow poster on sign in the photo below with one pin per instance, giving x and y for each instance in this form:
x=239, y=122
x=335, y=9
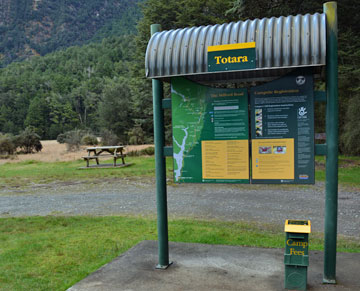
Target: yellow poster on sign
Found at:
x=273, y=159
x=225, y=159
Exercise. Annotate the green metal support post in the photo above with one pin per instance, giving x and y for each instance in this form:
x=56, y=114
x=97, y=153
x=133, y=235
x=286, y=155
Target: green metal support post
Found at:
x=160, y=168
x=332, y=137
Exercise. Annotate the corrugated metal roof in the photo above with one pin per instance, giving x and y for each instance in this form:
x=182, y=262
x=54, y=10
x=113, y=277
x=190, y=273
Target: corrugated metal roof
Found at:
x=281, y=44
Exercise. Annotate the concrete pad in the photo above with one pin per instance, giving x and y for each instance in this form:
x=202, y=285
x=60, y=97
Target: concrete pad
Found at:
x=212, y=267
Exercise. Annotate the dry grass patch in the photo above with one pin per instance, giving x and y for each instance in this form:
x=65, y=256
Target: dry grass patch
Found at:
x=55, y=152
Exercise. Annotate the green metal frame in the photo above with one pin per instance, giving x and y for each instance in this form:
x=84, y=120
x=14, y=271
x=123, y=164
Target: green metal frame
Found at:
x=160, y=169
x=332, y=141
x=330, y=149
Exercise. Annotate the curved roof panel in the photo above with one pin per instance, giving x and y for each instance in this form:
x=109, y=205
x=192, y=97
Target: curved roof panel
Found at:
x=281, y=43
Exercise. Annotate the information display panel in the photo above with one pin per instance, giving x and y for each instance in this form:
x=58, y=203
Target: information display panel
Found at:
x=210, y=133
x=282, y=130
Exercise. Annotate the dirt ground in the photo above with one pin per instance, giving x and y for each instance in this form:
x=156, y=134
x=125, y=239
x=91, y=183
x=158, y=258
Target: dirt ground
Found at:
x=54, y=152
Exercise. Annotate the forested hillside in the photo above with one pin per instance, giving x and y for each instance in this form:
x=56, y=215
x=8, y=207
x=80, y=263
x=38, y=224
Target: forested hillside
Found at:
x=103, y=84
x=80, y=87
x=37, y=27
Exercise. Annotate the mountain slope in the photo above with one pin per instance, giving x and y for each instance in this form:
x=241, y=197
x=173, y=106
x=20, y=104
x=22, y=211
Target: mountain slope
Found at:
x=37, y=27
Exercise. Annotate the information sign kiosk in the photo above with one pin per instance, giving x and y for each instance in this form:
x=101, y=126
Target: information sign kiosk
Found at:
x=280, y=58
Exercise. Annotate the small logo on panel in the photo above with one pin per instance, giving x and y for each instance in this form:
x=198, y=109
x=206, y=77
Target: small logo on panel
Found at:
x=302, y=113
x=300, y=80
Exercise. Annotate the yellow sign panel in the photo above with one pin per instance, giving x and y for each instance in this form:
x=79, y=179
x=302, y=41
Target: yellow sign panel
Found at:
x=298, y=226
x=225, y=159
x=233, y=46
x=273, y=159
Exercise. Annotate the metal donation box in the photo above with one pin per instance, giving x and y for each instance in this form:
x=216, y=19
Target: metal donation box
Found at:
x=296, y=258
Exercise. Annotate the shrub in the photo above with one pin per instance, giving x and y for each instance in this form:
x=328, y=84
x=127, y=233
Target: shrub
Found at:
x=133, y=153
x=61, y=138
x=136, y=135
x=28, y=141
x=108, y=138
x=350, y=138
x=150, y=151
x=89, y=139
x=7, y=145
x=73, y=139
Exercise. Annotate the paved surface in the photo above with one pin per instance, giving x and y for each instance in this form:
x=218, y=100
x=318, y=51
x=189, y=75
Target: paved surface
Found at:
x=269, y=203
x=212, y=267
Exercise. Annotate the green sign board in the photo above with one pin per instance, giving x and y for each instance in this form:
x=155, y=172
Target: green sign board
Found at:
x=232, y=57
x=282, y=130
x=210, y=133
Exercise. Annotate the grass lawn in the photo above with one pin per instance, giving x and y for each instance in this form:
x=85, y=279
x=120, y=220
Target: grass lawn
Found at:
x=24, y=173
x=53, y=253
x=349, y=170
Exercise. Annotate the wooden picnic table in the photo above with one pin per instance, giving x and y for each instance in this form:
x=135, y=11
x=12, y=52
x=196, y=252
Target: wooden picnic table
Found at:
x=105, y=151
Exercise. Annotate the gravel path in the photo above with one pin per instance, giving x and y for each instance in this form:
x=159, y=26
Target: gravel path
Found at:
x=270, y=203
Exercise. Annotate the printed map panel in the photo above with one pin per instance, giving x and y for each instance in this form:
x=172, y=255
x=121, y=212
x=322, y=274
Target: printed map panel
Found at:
x=202, y=114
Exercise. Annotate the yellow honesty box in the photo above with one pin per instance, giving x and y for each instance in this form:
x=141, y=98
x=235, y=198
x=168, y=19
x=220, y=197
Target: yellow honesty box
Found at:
x=298, y=226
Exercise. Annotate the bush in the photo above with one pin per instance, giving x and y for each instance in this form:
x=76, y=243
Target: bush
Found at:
x=7, y=145
x=136, y=135
x=89, y=139
x=73, y=139
x=350, y=138
x=108, y=138
x=61, y=138
x=28, y=141
x=150, y=151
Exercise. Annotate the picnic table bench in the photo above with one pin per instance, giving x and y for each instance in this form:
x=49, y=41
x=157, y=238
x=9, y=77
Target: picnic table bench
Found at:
x=94, y=153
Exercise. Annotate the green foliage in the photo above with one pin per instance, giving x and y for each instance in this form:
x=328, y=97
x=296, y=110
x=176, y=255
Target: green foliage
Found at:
x=61, y=138
x=114, y=108
x=179, y=14
x=73, y=139
x=29, y=141
x=109, y=138
x=349, y=91
x=136, y=135
x=37, y=117
x=246, y=9
x=150, y=151
x=351, y=134
x=7, y=145
x=69, y=89
x=39, y=27
x=89, y=139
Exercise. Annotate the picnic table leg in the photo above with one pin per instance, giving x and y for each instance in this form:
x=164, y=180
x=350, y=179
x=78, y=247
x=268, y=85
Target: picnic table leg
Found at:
x=114, y=161
x=97, y=161
x=122, y=156
x=87, y=163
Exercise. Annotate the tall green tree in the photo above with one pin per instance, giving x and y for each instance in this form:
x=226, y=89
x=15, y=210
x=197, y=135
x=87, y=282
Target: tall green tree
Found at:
x=115, y=108
x=38, y=117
